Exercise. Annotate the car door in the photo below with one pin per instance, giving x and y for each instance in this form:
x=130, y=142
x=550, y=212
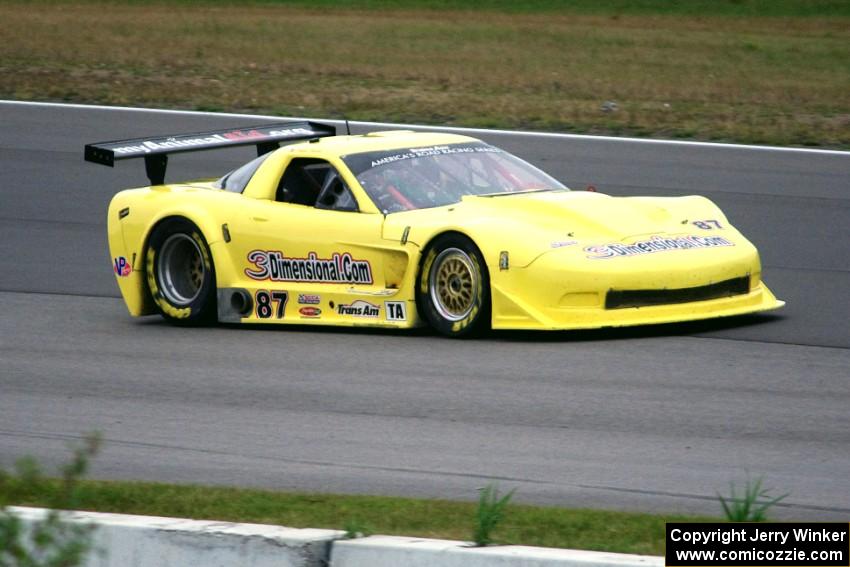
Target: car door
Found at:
x=312, y=242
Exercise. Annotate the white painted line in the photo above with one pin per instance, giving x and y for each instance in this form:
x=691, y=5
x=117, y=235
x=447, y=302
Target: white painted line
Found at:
x=483, y=131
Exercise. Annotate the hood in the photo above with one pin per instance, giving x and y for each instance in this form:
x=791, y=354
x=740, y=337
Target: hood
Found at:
x=531, y=224
x=583, y=215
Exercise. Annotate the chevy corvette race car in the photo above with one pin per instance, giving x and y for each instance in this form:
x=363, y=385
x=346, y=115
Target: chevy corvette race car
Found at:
x=401, y=229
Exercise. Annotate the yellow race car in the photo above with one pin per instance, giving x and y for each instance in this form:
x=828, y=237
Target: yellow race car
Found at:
x=401, y=229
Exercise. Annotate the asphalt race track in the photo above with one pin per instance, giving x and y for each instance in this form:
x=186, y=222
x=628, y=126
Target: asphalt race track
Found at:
x=656, y=419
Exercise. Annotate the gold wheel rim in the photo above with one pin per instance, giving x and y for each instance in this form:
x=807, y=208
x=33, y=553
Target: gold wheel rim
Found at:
x=454, y=281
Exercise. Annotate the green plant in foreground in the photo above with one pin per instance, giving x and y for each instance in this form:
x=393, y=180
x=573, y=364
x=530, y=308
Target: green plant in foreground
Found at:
x=51, y=542
x=490, y=511
x=752, y=505
x=355, y=529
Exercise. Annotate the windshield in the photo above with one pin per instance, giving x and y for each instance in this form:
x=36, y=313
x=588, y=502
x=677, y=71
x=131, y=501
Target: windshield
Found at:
x=433, y=176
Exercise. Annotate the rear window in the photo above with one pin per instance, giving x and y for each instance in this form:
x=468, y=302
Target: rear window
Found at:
x=238, y=179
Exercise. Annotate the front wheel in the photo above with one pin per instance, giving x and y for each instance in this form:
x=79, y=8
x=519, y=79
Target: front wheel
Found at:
x=180, y=273
x=453, y=291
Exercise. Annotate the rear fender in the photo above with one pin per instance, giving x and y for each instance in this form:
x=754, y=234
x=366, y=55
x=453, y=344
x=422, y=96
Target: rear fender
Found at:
x=126, y=260
x=129, y=238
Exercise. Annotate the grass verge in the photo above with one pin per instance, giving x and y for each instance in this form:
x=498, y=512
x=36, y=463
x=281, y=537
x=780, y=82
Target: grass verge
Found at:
x=753, y=71
x=726, y=8
x=526, y=525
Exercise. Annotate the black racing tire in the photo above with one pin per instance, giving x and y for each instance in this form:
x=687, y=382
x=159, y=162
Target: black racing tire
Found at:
x=453, y=287
x=180, y=273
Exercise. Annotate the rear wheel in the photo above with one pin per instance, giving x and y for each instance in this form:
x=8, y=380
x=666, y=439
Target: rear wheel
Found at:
x=180, y=273
x=453, y=291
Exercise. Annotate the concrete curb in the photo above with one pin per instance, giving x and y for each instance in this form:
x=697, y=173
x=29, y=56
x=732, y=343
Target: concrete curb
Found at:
x=386, y=551
x=148, y=541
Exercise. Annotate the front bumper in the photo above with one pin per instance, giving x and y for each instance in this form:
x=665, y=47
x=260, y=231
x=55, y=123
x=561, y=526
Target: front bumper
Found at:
x=565, y=290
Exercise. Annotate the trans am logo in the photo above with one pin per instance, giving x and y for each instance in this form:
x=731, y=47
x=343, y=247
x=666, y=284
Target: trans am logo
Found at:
x=359, y=308
x=339, y=268
x=121, y=267
x=653, y=245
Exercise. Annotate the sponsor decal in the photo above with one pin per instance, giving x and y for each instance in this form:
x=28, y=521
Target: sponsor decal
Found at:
x=309, y=299
x=214, y=139
x=395, y=310
x=562, y=243
x=655, y=244
x=339, y=268
x=121, y=267
x=148, y=145
x=434, y=151
x=291, y=132
x=359, y=308
x=310, y=311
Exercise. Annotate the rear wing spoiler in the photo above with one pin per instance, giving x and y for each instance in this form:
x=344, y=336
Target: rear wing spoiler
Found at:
x=155, y=150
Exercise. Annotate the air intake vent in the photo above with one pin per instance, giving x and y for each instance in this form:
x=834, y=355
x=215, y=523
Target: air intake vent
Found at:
x=620, y=299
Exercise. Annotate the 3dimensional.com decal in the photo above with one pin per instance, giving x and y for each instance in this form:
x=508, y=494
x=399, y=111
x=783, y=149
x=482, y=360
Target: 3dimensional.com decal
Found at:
x=655, y=244
x=339, y=268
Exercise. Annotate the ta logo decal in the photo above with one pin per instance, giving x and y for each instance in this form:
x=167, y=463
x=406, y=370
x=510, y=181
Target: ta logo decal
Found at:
x=121, y=267
x=396, y=310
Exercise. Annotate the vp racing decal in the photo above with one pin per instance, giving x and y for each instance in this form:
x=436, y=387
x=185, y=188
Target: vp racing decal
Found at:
x=653, y=245
x=121, y=267
x=339, y=268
